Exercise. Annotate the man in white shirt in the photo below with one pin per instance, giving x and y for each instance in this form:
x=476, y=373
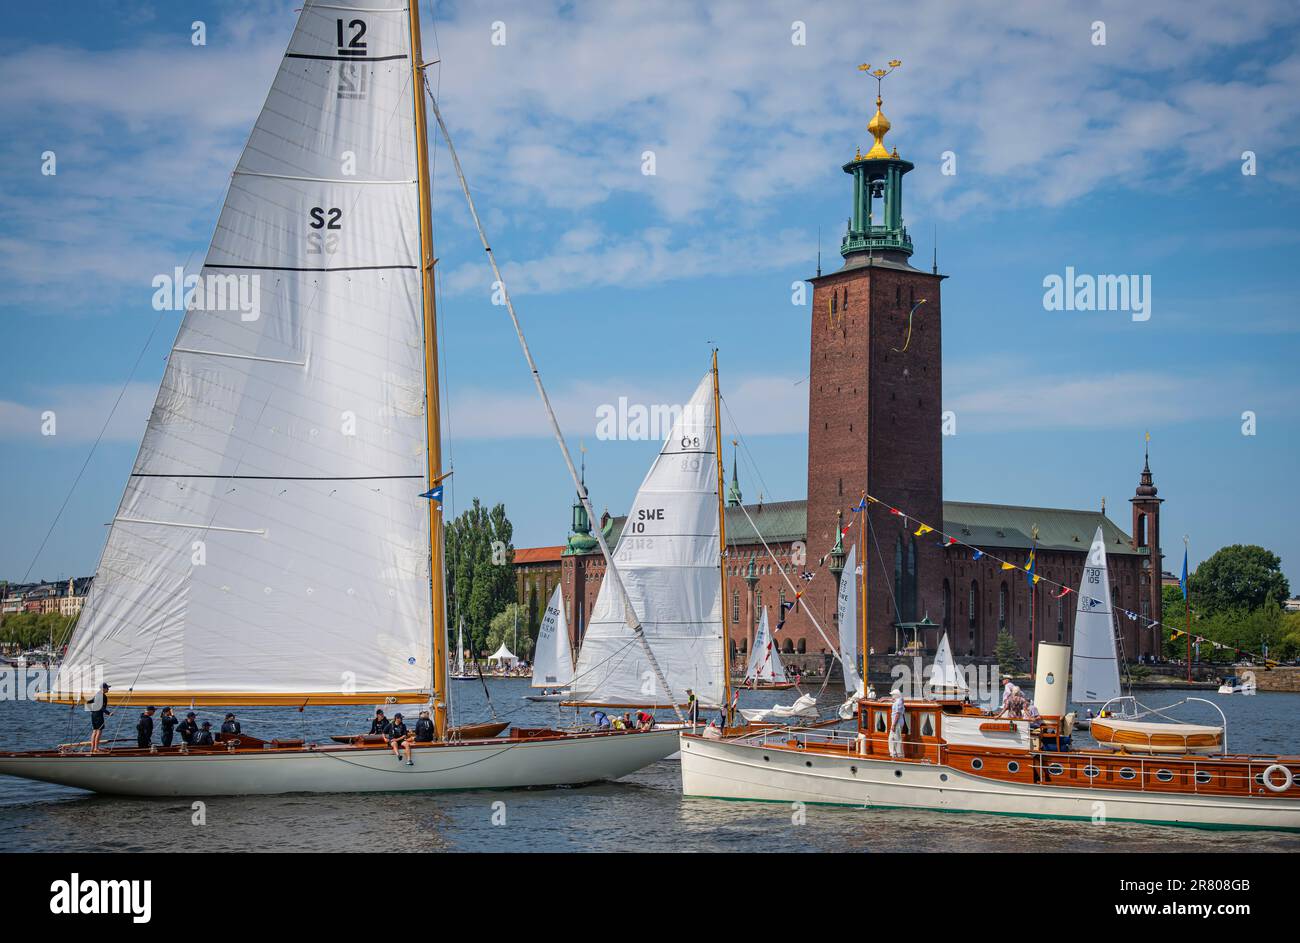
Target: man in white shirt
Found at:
x=896, y=715
x=1009, y=690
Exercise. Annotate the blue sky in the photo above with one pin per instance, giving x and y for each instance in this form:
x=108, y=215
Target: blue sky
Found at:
x=1116, y=158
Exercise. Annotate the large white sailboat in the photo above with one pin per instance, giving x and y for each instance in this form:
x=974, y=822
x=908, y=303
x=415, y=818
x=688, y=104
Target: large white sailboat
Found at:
x=273, y=546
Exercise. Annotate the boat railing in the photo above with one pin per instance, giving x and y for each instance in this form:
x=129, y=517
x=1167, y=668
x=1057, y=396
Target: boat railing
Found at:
x=851, y=741
x=1158, y=711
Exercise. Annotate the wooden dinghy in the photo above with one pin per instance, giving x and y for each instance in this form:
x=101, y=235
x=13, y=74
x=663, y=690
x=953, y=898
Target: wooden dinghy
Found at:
x=1135, y=736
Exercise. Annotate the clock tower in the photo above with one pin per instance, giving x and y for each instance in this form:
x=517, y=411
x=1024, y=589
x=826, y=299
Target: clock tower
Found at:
x=874, y=401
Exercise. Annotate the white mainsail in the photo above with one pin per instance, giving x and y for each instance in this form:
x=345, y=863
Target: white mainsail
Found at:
x=945, y=676
x=667, y=555
x=847, y=614
x=764, y=662
x=553, y=658
x=272, y=538
x=1095, y=668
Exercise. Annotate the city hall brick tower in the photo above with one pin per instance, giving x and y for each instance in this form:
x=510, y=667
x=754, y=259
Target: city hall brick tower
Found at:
x=874, y=403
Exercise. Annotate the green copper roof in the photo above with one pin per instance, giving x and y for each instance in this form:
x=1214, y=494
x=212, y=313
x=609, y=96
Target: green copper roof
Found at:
x=983, y=525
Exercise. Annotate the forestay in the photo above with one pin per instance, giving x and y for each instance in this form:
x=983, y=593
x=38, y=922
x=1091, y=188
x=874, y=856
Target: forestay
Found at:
x=553, y=656
x=1095, y=668
x=272, y=539
x=667, y=555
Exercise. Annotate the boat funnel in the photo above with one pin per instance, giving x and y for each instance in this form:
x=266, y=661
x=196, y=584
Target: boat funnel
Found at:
x=1051, y=679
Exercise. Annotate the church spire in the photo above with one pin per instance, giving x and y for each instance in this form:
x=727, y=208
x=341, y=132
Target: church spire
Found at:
x=1146, y=484
x=733, y=493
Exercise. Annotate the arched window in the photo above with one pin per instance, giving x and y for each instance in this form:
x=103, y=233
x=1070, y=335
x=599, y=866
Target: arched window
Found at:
x=973, y=620
x=803, y=646
x=735, y=605
x=1003, y=609
x=911, y=580
x=787, y=647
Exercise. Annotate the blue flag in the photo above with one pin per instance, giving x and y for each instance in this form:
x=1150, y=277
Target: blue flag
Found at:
x=434, y=494
x=1182, y=580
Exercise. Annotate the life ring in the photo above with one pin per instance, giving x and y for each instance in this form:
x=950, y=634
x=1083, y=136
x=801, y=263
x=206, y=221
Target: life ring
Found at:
x=1267, y=778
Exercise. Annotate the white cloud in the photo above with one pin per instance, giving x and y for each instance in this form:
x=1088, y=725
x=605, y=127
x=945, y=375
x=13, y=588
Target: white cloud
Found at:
x=81, y=413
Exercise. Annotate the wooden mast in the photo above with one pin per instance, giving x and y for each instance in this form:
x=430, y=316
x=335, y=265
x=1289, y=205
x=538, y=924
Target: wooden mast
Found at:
x=862, y=590
x=722, y=545
x=438, y=687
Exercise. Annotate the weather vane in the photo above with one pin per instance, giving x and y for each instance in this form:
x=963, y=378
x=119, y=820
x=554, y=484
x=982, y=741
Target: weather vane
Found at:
x=880, y=74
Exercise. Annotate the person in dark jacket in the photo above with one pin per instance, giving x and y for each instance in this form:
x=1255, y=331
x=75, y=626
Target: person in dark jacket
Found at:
x=424, y=729
x=381, y=724
x=231, y=725
x=399, y=736
x=168, y=720
x=98, y=707
x=204, y=737
x=188, y=728
x=144, y=729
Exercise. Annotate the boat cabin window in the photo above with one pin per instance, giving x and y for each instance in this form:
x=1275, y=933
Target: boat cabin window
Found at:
x=882, y=725
x=927, y=724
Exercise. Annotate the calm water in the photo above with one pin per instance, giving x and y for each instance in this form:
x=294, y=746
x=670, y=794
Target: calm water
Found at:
x=643, y=812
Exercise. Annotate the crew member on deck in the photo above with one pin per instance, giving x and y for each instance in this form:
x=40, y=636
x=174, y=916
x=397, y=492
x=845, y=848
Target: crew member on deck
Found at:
x=98, y=707
x=188, y=728
x=897, y=712
x=1012, y=696
x=169, y=720
x=399, y=736
x=204, y=737
x=601, y=719
x=424, y=730
x=144, y=729
x=692, y=707
x=381, y=724
x=230, y=725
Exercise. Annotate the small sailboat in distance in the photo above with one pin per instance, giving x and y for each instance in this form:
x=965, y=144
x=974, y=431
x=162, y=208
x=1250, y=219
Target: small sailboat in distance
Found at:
x=553, y=654
x=459, y=672
x=764, y=672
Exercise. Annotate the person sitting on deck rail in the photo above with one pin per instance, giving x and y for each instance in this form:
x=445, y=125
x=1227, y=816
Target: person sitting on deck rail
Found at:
x=897, y=713
x=230, y=725
x=188, y=728
x=169, y=721
x=424, y=730
x=204, y=737
x=398, y=737
x=645, y=720
x=601, y=719
x=98, y=707
x=144, y=729
x=381, y=724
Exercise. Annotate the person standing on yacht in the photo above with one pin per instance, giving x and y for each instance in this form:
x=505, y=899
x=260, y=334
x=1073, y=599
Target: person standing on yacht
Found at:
x=896, y=715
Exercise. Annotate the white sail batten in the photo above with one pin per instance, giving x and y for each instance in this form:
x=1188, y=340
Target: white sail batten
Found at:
x=286, y=449
x=1094, y=670
x=553, y=657
x=847, y=615
x=764, y=661
x=667, y=555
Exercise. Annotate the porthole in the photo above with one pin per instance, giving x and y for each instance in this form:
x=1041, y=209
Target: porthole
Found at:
x=1202, y=778
x=898, y=773
x=807, y=762
x=767, y=759
x=1056, y=769
x=1127, y=773
x=1164, y=776
x=1013, y=767
x=853, y=770
x=977, y=763
x=1091, y=771
x=943, y=777
x=1259, y=779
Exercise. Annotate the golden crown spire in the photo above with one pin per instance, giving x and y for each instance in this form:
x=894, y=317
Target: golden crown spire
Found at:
x=879, y=125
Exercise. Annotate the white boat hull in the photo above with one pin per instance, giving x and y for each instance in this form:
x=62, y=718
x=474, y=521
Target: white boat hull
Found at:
x=497, y=764
x=738, y=770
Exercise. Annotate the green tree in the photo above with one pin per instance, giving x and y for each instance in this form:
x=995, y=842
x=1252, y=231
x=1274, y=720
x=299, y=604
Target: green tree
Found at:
x=1241, y=577
x=480, y=571
x=31, y=629
x=1008, y=654
x=502, y=629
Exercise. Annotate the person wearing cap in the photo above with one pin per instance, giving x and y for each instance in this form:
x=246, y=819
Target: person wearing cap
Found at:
x=204, y=737
x=168, y=720
x=144, y=729
x=379, y=726
x=98, y=707
x=188, y=728
x=897, y=714
x=230, y=725
x=1010, y=691
x=424, y=729
x=601, y=719
x=398, y=737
